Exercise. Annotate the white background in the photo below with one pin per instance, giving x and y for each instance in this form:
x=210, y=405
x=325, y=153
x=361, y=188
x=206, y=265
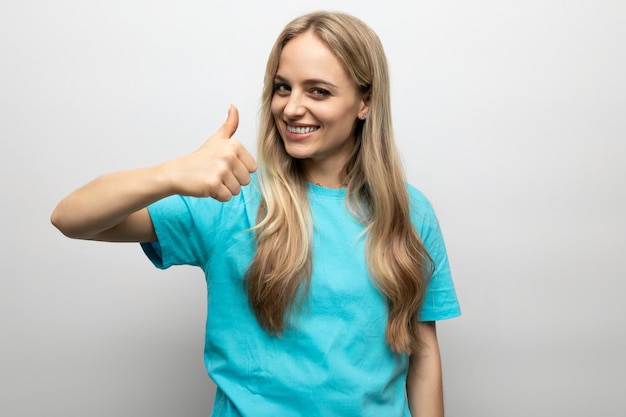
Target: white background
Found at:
x=510, y=115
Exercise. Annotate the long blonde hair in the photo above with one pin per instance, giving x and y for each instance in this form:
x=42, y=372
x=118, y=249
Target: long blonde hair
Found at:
x=280, y=273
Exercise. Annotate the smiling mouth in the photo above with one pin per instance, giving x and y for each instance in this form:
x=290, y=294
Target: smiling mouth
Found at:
x=301, y=129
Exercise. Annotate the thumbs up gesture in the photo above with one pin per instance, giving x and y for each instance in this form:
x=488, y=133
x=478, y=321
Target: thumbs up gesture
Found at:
x=218, y=168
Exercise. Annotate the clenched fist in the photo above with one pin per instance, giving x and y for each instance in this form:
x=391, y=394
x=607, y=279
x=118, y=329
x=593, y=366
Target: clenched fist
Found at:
x=217, y=169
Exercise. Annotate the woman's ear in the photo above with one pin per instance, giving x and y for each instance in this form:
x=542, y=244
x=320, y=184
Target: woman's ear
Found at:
x=364, y=107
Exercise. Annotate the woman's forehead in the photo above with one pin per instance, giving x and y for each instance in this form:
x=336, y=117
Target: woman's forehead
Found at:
x=306, y=56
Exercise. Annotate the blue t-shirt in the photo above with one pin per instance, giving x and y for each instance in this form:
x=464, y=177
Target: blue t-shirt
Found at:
x=332, y=359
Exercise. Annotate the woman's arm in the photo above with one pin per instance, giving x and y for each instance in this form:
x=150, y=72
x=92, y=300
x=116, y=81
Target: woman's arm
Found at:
x=424, y=385
x=113, y=207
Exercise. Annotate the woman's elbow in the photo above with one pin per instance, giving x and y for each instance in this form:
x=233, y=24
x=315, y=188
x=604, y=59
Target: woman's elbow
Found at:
x=60, y=221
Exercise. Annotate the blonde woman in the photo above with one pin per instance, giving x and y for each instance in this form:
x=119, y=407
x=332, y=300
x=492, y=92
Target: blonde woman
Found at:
x=325, y=270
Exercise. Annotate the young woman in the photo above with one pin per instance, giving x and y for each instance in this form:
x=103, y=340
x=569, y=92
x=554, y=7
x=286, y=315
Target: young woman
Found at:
x=325, y=270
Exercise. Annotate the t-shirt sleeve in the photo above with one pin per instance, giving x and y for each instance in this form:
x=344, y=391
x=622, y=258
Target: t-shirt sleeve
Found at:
x=178, y=233
x=440, y=300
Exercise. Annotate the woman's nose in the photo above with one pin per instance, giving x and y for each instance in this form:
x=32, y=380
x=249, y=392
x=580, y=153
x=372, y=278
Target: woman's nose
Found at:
x=295, y=105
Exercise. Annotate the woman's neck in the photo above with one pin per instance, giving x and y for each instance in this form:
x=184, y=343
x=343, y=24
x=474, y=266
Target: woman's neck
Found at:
x=326, y=181
x=331, y=177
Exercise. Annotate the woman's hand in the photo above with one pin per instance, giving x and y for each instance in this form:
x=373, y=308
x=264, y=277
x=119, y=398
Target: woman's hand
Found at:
x=217, y=169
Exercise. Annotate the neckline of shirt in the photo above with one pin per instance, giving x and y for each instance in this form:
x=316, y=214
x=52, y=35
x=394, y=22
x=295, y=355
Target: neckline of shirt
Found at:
x=318, y=190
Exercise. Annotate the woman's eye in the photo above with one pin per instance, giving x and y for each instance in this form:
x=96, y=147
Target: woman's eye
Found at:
x=320, y=92
x=281, y=88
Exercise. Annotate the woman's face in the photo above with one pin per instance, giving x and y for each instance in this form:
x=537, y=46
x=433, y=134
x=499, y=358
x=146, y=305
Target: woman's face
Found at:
x=316, y=106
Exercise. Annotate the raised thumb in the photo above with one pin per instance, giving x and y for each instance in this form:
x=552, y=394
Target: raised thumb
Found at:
x=232, y=121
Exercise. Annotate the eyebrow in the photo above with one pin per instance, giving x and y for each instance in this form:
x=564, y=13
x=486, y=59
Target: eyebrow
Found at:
x=311, y=81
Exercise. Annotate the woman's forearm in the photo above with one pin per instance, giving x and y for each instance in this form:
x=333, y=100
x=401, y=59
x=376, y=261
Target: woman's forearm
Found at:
x=108, y=200
x=111, y=207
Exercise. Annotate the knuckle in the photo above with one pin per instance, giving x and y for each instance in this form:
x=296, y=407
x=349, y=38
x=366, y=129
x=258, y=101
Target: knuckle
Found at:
x=230, y=156
x=245, y=180
x=212, y=184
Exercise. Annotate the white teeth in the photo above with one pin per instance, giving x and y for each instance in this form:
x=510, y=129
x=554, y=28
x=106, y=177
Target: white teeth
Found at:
x=301, y=129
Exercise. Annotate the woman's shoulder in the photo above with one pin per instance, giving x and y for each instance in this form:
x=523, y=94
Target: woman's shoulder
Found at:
x=418, y=198
x=422, y=211
x=206, y=210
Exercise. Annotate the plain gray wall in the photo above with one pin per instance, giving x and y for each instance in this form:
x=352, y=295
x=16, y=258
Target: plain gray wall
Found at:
x=510, y=115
